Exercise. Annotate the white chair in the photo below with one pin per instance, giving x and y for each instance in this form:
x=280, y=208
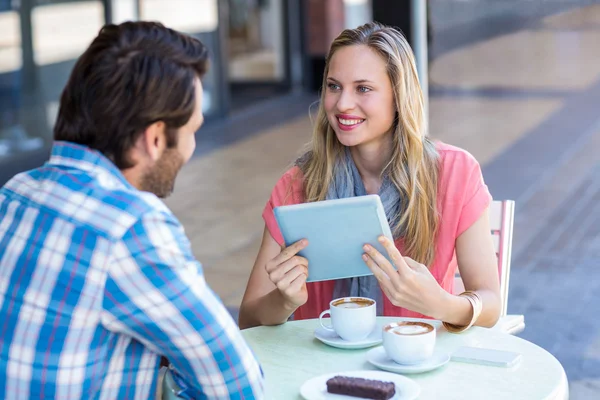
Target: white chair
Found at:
x=502, y=215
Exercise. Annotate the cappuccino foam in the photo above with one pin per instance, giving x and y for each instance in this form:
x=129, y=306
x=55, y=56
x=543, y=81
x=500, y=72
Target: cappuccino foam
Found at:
x=353, y=305
x=410, y=329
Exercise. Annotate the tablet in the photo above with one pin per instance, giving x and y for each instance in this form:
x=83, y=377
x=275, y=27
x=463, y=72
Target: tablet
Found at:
x=336, y=231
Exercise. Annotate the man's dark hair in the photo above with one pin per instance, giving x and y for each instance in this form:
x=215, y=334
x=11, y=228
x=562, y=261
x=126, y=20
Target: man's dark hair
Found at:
x=132, y=75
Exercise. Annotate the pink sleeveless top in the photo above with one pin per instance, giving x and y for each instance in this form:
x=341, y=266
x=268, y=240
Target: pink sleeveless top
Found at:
x=462, y=198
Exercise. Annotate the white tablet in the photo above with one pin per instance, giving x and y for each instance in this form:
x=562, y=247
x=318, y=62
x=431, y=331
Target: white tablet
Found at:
x=336, y=231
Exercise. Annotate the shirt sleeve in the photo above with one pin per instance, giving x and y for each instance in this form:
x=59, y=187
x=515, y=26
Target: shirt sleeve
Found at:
x=157, y=294
x=476, y=196
x=288, y=190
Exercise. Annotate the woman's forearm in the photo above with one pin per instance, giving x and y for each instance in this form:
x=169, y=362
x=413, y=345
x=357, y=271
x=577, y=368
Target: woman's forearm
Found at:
x=270, y=309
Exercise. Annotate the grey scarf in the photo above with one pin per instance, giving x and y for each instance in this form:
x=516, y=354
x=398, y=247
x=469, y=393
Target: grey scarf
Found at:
x=347, y=182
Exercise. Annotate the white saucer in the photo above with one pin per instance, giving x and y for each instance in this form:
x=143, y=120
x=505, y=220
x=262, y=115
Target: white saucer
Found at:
x=332, y=339
x=380, y=359
x=316, y=388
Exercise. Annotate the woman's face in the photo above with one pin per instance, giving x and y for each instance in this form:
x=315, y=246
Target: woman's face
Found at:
x=359, y=100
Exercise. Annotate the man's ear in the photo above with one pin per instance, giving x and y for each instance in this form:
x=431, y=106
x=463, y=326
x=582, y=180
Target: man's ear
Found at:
x=154, y=140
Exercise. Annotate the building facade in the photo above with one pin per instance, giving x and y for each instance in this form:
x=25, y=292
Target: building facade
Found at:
x=260, y=50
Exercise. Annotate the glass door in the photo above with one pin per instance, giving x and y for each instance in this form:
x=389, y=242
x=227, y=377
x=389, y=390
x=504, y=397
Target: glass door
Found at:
x=256, y=50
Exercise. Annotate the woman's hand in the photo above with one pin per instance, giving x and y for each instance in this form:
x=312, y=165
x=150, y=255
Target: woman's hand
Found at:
x=289, y=272
x=409, y=285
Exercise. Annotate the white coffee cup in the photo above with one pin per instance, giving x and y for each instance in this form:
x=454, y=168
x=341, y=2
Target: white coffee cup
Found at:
x=352, y=318
x=409, y=342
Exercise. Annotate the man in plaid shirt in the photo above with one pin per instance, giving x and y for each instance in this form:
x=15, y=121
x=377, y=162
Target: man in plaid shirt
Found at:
x=97, y=278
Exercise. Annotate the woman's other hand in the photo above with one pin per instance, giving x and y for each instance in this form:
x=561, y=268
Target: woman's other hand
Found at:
x=405, y=282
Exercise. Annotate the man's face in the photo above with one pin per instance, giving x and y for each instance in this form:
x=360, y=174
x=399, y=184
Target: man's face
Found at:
x=160, y=178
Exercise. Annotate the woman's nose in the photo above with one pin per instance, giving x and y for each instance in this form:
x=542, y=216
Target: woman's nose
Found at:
x=346, y=101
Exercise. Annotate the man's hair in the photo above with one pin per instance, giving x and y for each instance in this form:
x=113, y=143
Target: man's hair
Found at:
x=132, y=75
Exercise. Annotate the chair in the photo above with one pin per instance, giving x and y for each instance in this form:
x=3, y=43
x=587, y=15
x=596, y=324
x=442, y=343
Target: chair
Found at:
x=502, y=215
x=169, y=388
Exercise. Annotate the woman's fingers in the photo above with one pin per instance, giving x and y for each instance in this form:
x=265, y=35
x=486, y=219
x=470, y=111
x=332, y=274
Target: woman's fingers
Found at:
x=296, y=284
x=414, y=265
x=393, y=254
x=383, y=263
x=286, y=254
x=378, y=272
x=288, y=278
x=282, y=269
x=386, y=285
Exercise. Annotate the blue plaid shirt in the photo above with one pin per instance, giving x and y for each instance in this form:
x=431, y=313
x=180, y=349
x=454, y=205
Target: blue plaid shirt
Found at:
x=97, y=280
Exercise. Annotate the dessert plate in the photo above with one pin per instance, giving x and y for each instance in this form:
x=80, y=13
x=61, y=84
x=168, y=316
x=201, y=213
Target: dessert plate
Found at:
x=316, y=388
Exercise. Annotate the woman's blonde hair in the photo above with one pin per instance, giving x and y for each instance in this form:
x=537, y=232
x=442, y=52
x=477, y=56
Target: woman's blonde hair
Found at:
x=413, y=166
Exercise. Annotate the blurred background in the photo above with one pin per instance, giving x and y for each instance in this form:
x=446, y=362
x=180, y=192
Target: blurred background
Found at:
x=515, y=82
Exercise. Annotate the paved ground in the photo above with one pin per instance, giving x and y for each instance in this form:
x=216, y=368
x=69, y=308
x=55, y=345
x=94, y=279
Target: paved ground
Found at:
x=555, y=279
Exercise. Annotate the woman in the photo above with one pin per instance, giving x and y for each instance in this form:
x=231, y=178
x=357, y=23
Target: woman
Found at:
x=370, y=138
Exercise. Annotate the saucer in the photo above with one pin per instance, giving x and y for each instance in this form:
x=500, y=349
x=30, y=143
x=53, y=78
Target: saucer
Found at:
x=332, y=339
x=380, y=359
x=316, y=388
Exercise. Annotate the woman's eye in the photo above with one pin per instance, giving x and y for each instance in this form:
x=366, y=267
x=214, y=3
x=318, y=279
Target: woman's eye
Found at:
x=333, y=86
x=364, y=89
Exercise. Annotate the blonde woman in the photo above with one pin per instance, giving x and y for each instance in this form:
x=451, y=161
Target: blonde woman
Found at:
x=370, y=138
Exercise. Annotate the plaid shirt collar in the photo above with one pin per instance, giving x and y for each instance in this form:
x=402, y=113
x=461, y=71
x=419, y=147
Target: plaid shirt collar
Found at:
x=72, y=155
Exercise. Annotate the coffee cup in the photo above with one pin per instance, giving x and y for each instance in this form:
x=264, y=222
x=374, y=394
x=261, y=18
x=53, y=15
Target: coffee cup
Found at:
x=352, y=318
x=409, y=342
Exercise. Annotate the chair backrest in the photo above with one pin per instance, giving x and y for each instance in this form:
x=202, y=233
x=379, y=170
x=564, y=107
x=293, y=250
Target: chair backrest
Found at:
x=502, y=214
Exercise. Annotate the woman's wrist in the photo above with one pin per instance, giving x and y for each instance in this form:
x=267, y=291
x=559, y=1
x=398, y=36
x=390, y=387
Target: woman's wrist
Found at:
x=287, y=307
x=270, y=309
x=476, y=306
x=453, y=309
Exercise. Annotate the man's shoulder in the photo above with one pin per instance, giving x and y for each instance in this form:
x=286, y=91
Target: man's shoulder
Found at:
x=84, y=199
x=127, y=206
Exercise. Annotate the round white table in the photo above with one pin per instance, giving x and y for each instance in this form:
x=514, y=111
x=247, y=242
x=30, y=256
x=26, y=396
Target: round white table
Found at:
x=290, y=355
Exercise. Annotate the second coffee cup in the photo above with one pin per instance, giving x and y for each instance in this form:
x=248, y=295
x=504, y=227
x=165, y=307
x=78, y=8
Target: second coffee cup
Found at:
x=352, y=318
x=408, y=342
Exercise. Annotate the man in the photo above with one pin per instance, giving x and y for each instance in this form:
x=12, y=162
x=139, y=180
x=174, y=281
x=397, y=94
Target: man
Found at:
x=97, y=278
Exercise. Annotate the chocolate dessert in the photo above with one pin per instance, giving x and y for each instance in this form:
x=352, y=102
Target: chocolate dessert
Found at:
x=360, y=387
